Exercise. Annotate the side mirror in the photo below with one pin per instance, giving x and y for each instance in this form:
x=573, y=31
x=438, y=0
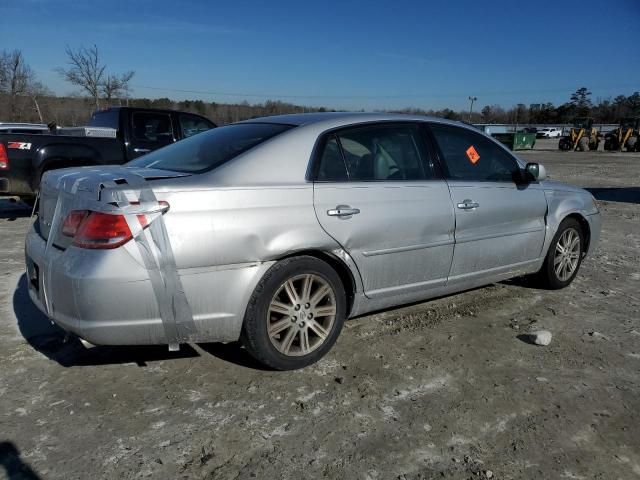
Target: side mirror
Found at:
x=537, y=171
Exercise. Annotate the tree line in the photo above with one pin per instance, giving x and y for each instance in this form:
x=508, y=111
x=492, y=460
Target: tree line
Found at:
x=24, y=99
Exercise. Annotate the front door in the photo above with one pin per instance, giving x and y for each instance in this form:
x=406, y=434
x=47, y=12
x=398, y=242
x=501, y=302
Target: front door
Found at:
x=376, y=192
x=500, y=222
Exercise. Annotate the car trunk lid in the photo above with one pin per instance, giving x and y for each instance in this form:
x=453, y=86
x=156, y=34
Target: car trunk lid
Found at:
x=65, y=190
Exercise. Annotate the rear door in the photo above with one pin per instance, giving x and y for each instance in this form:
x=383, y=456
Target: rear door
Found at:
x=379, y=195
x=500, y=222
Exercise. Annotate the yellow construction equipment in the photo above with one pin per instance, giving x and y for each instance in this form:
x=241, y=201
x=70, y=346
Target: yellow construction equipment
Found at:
x=583, y=136
x=625, y=137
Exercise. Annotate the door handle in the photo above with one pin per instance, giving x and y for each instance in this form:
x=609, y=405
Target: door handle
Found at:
x=343, y=211
x=468, y=205
x=142, y=150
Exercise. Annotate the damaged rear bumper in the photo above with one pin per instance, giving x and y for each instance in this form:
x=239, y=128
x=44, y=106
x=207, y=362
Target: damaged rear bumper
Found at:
x=106, y=297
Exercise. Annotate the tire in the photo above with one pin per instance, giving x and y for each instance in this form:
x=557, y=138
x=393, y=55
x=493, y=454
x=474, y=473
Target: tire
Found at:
x=564, y=144
x=632, y=143
x=283, y=287
x=593, y=146
x=583, y=144
x=549, y=276
x=611, y=144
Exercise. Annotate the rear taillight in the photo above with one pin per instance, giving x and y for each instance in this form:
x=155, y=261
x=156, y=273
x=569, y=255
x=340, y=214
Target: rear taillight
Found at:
x=73, y=221
x=4, y=158
x=99, y=230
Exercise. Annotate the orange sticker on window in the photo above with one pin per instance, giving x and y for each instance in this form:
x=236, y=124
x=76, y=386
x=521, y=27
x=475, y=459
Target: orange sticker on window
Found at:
x=472, y=155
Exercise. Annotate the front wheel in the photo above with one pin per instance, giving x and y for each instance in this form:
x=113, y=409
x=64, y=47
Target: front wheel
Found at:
x=564, y=257
x=295, y=313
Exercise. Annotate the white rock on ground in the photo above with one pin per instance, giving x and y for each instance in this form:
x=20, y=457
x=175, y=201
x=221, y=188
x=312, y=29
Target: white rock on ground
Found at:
x=541, y=337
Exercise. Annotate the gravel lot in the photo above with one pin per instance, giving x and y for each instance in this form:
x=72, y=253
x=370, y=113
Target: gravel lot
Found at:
x=440, y=389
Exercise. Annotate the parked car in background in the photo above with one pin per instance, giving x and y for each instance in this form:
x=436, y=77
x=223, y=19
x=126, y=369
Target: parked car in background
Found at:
x=114, y=136
x=549, y=132
x=282, y=227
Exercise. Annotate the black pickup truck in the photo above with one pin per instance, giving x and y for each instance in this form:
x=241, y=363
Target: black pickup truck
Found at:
x=124, y=133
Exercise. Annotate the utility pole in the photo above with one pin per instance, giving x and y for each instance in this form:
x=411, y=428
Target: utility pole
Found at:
x=35, y=101
x=473, y=99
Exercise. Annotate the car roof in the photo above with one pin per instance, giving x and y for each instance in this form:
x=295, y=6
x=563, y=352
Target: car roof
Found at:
x=150, y=109
x=284, y=159
x=337, y=119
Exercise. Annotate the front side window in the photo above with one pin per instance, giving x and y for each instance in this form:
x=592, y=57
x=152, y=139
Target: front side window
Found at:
x=152, y=127
x=375, y=153
x=471, y=156
x=211, y=149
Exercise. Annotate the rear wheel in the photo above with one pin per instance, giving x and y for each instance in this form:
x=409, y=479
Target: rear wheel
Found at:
x=631, y=144
x=564, y=257
x=583, y=144
x=295, y=313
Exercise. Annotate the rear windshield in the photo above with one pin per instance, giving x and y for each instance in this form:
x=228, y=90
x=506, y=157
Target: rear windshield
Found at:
x=208, y=150
x=105, y=118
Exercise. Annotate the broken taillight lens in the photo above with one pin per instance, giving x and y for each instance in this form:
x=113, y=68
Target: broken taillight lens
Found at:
x=97, y=230
x=73, y=221
x=102, y=230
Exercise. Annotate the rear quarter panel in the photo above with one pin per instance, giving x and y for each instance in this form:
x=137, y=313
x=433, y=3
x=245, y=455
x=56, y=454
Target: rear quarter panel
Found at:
x=227, y=226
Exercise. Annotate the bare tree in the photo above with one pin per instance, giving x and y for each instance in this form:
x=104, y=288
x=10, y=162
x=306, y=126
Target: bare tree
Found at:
x=88, y=72
x=85, y=70
x=116, y=86
x=37, y=90
x=16, y=78
x=3, y=72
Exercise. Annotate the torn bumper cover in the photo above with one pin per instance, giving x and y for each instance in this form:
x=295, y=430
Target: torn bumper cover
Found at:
x=133, y=294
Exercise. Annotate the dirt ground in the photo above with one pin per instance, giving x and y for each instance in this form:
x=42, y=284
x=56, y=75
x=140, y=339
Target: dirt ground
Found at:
x=443, y=389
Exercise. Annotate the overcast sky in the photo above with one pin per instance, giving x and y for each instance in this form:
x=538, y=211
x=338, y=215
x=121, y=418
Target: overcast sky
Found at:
x=342, y=54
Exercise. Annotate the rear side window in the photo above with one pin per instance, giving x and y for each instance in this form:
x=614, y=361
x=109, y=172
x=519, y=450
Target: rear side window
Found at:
x=375, y=153
x=332, y=166
x=471, y=156
x=152, y=127
x=211, y=149
x=192, y=124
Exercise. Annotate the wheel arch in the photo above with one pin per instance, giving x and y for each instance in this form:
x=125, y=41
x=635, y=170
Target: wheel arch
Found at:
x=584, y=225
x=343, y=270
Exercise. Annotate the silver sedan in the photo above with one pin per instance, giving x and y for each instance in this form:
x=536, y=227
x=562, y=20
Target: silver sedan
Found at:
x=275, y=230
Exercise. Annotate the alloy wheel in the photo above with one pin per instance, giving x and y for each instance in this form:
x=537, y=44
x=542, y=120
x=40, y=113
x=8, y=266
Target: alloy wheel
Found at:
x=301, y=314
x=567, y=254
